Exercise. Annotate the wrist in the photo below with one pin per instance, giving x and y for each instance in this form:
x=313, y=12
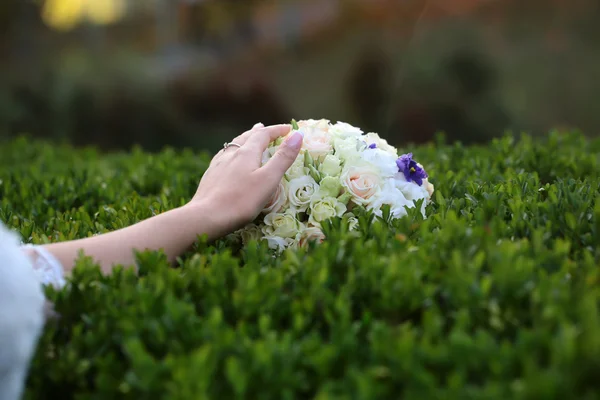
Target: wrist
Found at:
x=210, y=219
x=200, y=218
x=193, y=220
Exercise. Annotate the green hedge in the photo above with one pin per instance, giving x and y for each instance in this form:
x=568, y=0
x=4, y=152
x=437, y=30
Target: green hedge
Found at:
x=494, y=296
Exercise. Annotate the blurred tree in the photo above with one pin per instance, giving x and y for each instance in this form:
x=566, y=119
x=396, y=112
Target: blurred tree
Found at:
x=64, y=15
x=369, y=88
x=8, y=11
x=227, y=103
x=455, y=92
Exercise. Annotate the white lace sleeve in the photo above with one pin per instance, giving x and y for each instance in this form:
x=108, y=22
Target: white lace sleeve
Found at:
x=48, y=269
x=21, y=313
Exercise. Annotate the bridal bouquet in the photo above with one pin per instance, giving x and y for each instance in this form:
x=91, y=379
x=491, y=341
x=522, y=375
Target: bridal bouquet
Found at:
x=337, y=169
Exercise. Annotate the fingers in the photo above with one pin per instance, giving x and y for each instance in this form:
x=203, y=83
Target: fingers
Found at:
x=260, y=138
x=283, y=159
x=241, y=139
x=255, y=141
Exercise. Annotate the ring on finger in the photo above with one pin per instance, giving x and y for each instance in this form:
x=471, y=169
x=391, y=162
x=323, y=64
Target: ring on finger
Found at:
x=231, y=144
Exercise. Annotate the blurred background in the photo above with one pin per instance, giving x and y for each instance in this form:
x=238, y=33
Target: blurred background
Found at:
x=114, y=73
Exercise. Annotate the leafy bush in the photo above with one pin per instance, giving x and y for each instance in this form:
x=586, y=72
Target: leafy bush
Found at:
x=495, y=296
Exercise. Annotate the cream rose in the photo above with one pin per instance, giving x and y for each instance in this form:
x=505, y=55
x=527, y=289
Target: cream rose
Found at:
x=322, y=124
x=252, y=232
x=301, y=191
x=325, y=208
x=297, y=169
x=362, y=183
x=311, y=234
x=284, y=225
x=278, y=200
x=317, y=142
x=331, y=165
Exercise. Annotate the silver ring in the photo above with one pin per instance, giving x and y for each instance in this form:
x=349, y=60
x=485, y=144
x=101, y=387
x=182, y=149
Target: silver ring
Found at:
x=226, y=145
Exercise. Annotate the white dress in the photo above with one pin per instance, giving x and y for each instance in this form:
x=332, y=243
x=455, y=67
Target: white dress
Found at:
x=24, y=270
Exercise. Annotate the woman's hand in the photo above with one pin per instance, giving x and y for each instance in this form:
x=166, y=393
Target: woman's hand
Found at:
x=235, y=187
x=232, y=192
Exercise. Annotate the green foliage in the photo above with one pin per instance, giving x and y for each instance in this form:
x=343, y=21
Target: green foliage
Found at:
x=494, y=296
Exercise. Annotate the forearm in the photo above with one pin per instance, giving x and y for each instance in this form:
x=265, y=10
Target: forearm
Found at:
x=174, y=232
x=236, y=182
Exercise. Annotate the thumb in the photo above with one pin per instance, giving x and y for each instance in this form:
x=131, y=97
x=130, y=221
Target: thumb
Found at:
x=285, y=156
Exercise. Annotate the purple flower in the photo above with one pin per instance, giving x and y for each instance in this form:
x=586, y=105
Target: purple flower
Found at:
x=411, y=170
x=372, y=146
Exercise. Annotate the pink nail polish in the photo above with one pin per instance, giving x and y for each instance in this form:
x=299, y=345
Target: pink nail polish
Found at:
x=295, y=140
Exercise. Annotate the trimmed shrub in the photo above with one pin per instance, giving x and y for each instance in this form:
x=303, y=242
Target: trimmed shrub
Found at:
x=494, y=296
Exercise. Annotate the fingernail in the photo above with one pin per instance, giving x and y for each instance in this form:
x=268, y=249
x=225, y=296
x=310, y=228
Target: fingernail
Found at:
x=300, y=131
x=295, y=140
x=259, y=125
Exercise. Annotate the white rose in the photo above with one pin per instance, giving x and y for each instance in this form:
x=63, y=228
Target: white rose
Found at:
x=413, y=192
x=297, y=169
x=317, y=142
x=325, y=208
x=343, y=129
x=252, y=232
x=392, y=196
x=278, y=200
x=301, y=190
x=362, y=182
x=279, y=243
x=346, y=149
x=284, y=225
x=385, y=162
x=311, y=234
x=329, y=187
x=331, y=165
x=374, y=138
